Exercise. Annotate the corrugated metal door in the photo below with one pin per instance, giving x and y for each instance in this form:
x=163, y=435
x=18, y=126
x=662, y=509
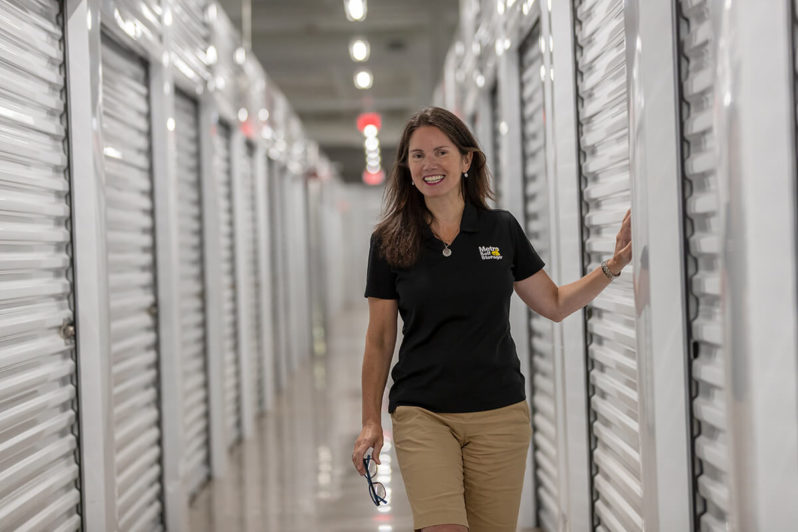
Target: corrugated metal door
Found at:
x=703, y=242
x=252, y=269
x=39, y=475
x=496, y=140
x=190, y=35
x=541, y=350
x=605, y=190
x=275, y=257
x=132, y=288
x=232, y=386
x=196, y=453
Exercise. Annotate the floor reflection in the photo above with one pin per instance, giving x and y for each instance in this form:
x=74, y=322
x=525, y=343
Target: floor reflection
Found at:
x=294, y=474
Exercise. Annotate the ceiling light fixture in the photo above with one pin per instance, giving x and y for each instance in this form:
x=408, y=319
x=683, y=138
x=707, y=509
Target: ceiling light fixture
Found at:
x=359, y=50
x=364, y=79
x=355, y=10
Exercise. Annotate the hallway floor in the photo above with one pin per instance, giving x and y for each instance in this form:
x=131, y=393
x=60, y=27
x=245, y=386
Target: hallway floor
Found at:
x=295, y=473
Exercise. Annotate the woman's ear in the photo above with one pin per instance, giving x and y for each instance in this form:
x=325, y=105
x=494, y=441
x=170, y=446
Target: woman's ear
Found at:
x=467, y=158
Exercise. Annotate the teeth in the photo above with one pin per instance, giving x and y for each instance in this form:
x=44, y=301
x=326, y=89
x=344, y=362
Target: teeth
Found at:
x=433, y=179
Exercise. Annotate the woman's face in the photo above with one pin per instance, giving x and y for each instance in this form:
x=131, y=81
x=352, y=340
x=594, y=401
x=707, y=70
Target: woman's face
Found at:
x=436, y=165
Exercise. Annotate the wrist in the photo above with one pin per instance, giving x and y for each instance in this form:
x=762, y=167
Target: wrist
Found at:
x=614, y=267
x=369, y=422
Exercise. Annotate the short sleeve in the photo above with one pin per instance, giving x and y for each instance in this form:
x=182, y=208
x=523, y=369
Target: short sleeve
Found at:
x=526, y=261
x=380, y=278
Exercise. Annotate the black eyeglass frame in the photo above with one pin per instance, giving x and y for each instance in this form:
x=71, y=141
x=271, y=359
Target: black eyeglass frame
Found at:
x=376, y=499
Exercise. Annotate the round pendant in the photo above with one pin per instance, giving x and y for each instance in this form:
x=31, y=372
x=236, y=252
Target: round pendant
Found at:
x=447, y=252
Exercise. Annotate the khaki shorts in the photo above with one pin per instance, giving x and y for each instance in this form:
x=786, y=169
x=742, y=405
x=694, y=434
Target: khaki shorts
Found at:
x=463, y=469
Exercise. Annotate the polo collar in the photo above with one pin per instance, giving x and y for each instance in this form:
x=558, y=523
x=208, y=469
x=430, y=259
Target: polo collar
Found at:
x=469, y=223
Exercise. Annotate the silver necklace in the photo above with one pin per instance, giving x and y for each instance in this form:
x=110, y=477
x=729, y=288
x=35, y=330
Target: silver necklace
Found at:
x=446, y=251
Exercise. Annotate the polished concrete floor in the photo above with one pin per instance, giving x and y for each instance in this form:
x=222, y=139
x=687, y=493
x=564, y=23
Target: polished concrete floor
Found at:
x=295, y=473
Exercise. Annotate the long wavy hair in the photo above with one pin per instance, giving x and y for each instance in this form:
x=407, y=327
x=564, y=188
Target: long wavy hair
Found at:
x=405, y=213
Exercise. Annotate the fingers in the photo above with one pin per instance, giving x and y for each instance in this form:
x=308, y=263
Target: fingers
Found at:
x=376, y=453
x=357, y=457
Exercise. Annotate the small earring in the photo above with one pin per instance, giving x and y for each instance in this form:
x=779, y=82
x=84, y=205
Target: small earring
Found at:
x=465, y=174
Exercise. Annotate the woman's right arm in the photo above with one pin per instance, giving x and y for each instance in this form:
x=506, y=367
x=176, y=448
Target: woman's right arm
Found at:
x=380, y=343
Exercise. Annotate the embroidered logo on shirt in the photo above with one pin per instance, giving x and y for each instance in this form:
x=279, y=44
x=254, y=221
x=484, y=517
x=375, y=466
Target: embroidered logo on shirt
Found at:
x=489, y=253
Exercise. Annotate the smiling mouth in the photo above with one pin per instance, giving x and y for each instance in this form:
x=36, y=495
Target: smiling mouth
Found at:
x=433, y=179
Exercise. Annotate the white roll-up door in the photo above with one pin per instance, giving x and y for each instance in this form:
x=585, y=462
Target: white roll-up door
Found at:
x=496, y=143
x=196, y=452
x=277, y=280
x=541, y=350
x=703, y=245
x=232, y=385
x=250, y=227
x=605, y=191
x=131, y=287
x=39, y=476
x=190, y=35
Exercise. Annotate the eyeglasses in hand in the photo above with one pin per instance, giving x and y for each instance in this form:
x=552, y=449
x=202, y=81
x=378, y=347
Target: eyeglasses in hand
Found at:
x=376, y=489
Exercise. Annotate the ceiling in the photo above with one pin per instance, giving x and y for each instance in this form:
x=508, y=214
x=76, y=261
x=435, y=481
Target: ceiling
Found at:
x=304, y=47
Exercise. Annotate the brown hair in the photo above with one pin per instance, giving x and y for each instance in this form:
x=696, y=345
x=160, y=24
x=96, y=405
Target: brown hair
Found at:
x=405, y=212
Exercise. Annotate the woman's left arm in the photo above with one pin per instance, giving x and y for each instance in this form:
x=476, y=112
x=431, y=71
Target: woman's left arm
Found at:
x=558, y=302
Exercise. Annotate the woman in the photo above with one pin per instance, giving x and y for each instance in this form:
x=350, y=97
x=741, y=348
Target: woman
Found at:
x=449, y=264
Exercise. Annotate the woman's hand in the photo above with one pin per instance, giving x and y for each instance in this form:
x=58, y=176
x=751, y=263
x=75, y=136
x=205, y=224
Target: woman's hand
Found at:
x=623, y=245
x=370, y=436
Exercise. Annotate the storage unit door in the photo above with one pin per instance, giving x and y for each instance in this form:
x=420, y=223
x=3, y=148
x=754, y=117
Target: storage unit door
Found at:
x=541, y=349
x=39, y=476
x=131, y=288
x=252, y=270
x=703, y=289
x=276, y=269
x=496, y=145
x=232, y=386
x=193, y=355
x=605, y=191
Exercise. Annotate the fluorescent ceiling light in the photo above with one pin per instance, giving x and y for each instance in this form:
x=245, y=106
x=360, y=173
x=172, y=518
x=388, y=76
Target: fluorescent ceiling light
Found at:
x=355, y=10
x=359, y=50
x=364, y=79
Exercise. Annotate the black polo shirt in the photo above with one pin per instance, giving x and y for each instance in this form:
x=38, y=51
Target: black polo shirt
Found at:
x=457, y=354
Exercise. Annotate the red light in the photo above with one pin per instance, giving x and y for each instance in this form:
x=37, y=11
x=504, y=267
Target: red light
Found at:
x=247, y=130
x=373, y=178
x=366, y=119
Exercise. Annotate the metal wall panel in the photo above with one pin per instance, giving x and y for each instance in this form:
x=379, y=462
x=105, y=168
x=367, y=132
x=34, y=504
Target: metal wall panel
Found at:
x=605, y=190
x=252, y=267
x=232, y=386
x=541, y=349
x=38, y=445
x=132, y=290
x=705, y=334
x=193, y=356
